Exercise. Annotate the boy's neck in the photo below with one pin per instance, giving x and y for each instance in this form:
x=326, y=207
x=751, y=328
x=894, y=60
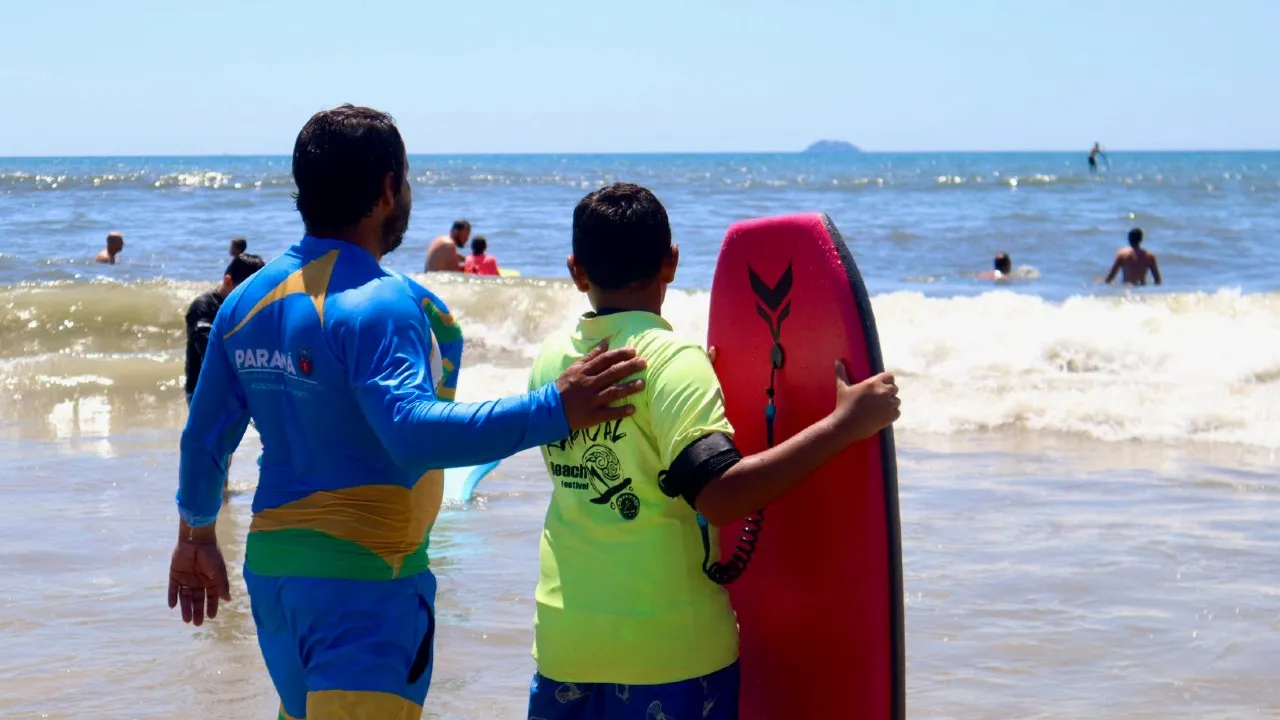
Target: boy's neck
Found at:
x=648, y=299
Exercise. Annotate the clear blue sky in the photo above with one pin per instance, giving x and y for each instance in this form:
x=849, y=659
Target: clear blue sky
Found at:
x=175, y=77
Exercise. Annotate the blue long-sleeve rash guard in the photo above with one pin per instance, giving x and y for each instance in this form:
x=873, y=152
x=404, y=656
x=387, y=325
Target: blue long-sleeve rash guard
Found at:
x=330, y=354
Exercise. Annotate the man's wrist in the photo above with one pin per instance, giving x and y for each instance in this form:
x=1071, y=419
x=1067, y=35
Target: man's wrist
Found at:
x=549, y=400
x=204, y=534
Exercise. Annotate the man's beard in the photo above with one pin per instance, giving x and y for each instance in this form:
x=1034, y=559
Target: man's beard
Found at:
x=395, y=226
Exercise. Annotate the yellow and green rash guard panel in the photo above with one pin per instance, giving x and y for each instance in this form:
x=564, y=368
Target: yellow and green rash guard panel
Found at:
x=446, y=353
x=622, y=597
x=333, y=358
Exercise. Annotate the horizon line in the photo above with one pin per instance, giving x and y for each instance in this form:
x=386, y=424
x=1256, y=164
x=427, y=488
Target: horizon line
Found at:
x=860, y=151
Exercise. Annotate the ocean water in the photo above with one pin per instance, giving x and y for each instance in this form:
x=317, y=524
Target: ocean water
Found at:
x=1088, y=473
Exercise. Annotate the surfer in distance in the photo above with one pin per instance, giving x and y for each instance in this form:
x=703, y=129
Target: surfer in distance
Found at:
x=1093, y=157
x=627, y=497
x=1134, y=262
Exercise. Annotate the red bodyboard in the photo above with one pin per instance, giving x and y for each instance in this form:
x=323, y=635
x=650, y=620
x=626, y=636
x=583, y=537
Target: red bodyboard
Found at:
x=819, y=606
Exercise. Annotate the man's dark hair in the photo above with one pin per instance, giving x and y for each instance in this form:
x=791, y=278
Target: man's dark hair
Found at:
x=1135, y=237
x=239, y=245
x=621, y=236
x=479, y=245
x=1003, y=263
x=340, y=161
x=460, y=225
x=242, y=266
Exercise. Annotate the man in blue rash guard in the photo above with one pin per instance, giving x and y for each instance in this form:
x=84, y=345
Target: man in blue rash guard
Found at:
x=331, y=357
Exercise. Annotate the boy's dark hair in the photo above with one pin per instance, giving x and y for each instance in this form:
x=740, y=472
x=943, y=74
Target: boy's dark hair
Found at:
x=1135, y=237
x=239, y=245
x=479, y=245
x=460, y=225
x=242, y=266
x=621, y=236
x=340, y=160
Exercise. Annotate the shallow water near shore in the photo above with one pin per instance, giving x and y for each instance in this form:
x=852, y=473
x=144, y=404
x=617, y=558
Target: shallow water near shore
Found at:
x=1054, y=578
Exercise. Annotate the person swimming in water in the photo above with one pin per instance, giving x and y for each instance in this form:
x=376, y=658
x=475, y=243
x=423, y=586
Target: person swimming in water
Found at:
x=1135, y=262
x=115, y=244
x=1093, y=157
x=1002, y=268
x=1003, y=265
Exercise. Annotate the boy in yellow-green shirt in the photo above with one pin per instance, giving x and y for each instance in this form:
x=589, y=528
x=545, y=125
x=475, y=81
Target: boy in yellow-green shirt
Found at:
x=628, y=623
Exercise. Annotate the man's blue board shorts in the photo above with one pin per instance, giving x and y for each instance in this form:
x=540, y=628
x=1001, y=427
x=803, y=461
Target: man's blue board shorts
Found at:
x=346, y=648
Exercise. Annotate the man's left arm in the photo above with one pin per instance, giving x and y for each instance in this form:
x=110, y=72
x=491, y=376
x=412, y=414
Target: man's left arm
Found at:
x=448, y=338
x=216, y=423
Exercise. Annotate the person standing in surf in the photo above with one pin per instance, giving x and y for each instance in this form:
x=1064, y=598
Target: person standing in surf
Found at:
x=442, y=253
x=334, y=360
x=628, y=624
x=203, y=310
x=1134, y=262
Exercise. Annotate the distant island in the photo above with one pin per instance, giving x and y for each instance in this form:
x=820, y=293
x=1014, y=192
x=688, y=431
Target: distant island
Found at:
x=832, y=146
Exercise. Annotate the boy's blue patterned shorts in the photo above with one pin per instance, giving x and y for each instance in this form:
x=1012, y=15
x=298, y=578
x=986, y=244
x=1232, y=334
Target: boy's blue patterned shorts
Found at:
x=711, y=697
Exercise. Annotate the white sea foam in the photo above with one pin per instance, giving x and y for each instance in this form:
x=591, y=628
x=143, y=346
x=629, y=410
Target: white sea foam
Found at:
x=1200, y=367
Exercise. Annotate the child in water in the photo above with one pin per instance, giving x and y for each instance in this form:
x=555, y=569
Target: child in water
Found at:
x=480, y=262
x=627, y=621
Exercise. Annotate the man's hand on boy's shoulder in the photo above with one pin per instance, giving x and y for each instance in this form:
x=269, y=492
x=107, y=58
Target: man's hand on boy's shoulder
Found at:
x=864, y=409
x=588, y=386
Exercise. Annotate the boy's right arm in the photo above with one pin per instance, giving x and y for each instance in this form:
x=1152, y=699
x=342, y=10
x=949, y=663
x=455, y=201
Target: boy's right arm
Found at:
x=387, y=355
